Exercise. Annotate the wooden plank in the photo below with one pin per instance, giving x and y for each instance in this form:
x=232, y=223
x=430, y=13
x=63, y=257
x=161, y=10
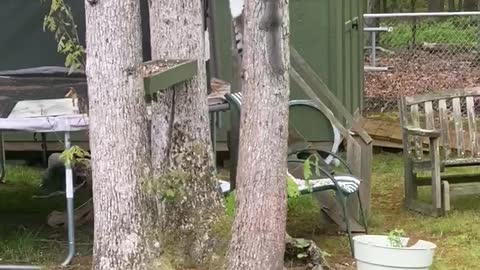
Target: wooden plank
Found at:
x=465, y=189
x=317, y=83
x=457, y=116
x=174, y=73
x=429, y=116
x=444, y=127
x=451, y=178
x=472, y=127
x=383, y=130
x=387, y=144
x=417, y=99
x=359, y=158
x=436, y=181
x=415, y=122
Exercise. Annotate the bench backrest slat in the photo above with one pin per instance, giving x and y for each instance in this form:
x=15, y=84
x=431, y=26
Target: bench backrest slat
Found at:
x=444, y=127
x=416, y=123
x=457, y=118
x=472, y=127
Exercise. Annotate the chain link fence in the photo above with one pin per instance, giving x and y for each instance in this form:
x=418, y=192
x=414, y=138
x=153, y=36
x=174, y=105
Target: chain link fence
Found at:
x=419, y=53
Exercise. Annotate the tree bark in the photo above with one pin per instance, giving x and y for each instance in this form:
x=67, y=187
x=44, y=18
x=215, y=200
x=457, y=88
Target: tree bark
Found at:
x=258, y=240
x=470, y=5
x=118, y=135
x=451, y=5
x=436, y=5
x=181, y=148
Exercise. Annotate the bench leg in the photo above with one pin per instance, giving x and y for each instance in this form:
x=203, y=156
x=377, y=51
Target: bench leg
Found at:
x=410, y=184
x=445, y=197
x=439, y=204
x=436, y=181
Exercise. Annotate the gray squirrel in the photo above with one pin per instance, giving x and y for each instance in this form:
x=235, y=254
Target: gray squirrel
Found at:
x=271, y=23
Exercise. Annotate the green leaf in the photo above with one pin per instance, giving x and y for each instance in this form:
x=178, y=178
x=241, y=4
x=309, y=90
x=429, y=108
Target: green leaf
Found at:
x=307, y=170
x=301, y=243
x=292, y=188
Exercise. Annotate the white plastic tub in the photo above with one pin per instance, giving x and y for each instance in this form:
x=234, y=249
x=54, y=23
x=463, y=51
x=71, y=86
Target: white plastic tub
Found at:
x=373, y=252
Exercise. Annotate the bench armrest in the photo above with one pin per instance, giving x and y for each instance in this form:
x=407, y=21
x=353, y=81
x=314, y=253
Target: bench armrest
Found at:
x=430, y=133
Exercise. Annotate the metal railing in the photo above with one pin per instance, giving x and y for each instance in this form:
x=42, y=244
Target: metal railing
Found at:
x=419, y=53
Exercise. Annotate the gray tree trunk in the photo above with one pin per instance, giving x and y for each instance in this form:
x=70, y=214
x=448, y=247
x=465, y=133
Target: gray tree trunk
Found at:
x=470, y=5
x=436, y=5
x=181, y=148
x=258, y=240
x=451, y=5
x=118, y=135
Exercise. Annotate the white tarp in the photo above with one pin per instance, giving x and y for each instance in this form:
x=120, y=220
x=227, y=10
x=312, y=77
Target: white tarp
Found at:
x=47, y=115
x=45, y=123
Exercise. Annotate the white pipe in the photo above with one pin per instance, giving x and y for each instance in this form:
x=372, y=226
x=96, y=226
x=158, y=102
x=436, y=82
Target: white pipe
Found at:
x=378, y=29
x=70, y=208
x=420, y=14
x=20, y=267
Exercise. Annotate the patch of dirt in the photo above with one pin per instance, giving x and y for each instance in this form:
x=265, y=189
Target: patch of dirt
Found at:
x=417, y=72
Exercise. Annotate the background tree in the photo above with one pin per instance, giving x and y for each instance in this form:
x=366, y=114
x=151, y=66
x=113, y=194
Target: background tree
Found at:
x=258, y=240
x=118, y=135
x=470, y=5
x=436, y=5
x=181, y=147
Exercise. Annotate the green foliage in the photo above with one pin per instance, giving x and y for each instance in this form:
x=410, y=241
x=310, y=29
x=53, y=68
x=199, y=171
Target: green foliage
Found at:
x=460, y=31
x=230, y=204
x=292, y=188
x=61, y=23
x=394, y=237
x=74, y=154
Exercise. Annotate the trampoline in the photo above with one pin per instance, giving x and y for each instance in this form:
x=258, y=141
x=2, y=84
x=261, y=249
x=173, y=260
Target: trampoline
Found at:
x=46, y=116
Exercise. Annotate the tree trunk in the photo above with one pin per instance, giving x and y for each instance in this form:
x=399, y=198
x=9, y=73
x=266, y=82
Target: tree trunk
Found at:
x=182, y=155
x=384, y=6
x=118, y=135
x=451, y=5
x=258, y=240
x=436, y=5
x=470, y=5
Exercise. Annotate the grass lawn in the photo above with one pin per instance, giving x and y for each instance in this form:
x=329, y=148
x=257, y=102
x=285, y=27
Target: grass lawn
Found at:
x=25, y=237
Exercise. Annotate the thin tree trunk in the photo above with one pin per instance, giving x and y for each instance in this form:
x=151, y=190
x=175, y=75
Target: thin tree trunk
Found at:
x=181, y=147
x=118, y=135
x=451, y=5
x=436, y=5
x=258, y=240
x=470, y=5
x=384, y=6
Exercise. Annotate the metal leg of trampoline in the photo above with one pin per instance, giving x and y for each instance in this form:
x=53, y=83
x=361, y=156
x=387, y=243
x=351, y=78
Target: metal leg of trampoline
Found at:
x=70, y=210
x=2, y=156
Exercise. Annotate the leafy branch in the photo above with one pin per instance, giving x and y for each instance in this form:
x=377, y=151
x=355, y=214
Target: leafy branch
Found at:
x=73, y=155
x=395, y=238
x=60, y=21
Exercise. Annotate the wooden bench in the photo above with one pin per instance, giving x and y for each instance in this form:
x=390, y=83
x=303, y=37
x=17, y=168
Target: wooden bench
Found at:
x=444, y=125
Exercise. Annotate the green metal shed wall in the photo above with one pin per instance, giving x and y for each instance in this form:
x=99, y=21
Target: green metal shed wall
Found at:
x=332, y=47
